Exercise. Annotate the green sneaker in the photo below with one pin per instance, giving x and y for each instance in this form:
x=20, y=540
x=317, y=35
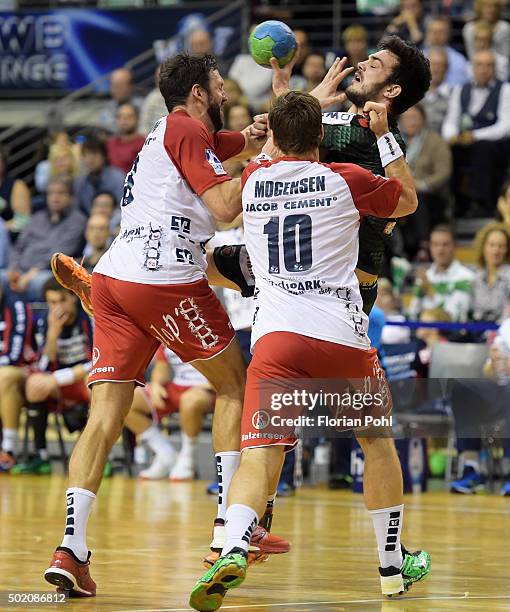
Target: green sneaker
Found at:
x=227, y=573
x=34, y=466
x=416, y=567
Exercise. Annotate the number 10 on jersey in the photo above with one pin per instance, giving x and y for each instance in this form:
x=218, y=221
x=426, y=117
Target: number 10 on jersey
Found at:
x=297, y=243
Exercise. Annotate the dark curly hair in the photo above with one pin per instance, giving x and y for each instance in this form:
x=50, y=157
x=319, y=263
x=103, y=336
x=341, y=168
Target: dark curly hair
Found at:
x=412, y=72
x=178, y=74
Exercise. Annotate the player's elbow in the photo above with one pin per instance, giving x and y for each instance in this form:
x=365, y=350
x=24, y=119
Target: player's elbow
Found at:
x=407, y=204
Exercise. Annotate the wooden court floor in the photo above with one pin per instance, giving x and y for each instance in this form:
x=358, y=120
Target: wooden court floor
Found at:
x=148, y=538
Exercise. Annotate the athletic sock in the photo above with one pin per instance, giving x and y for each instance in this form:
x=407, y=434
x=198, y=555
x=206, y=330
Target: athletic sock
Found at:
x=267, y=518
x=240, y=522
x=10, y=440
x=188, y=444
x=387, y=527
x=157, y=441
x=226, y=466
x=79, y=505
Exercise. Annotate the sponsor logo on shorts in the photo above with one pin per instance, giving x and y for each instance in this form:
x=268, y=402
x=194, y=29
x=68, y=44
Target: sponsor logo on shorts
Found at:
x=95, y=355
x=191, y=313
x=103, y=370
x=214, y=162
x=260, y=419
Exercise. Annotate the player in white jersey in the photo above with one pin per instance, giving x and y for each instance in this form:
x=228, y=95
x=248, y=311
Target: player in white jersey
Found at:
x=150, y=288
x=301, y=221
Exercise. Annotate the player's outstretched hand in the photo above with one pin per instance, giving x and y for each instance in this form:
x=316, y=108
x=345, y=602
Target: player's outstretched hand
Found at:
x=326, y=91
x=281, y=76
x=378, y=115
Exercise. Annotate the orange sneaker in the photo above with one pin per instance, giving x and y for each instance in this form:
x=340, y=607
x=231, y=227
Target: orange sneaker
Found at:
x=74, y=277
x=262, y=544
x=70, y=574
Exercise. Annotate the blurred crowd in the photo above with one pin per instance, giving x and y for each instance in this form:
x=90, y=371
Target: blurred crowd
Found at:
x=458, y=147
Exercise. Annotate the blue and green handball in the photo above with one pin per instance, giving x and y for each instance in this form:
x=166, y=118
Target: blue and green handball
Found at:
x=272, y=39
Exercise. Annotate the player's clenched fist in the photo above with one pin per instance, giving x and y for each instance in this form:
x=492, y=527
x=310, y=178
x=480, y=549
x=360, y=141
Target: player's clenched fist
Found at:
x=378, y=115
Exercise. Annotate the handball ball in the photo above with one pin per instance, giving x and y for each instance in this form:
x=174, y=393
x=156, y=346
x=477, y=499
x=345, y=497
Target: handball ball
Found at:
x=272, y=39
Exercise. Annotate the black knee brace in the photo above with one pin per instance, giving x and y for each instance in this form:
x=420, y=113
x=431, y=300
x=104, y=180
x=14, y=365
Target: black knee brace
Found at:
x=234, y=263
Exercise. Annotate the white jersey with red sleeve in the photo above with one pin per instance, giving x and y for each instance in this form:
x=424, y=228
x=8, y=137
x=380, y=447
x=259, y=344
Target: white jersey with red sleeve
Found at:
x=164, y=223
x=301, y=221
x=183, y=374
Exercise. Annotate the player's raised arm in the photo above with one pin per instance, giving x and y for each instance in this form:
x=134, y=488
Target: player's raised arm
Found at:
x=392, y=158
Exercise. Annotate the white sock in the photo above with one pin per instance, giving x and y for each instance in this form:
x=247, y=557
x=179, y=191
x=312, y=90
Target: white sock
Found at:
x=387, y=527
x=9, y=440
x=226, y=466
x=240, y=521
x=43, y=454
x=157, y=441
x=188, y=445
x=79, y=505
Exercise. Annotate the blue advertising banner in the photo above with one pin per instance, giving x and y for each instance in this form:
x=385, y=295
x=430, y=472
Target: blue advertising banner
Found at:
x=66, y=49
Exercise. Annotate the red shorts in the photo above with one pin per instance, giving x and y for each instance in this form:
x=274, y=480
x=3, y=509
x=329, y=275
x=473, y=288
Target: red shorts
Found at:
x=131, y=320
x=174, y=393
x=284, y=361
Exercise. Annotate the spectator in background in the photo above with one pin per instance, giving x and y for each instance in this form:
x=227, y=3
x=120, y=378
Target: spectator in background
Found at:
x=477, y=125
x=14, y=199
x=59, y=227
x=97, y=235
x=234, y=93
x=302, y=51
x=488, y=11
x=153, y=107
x=127, y=142
x=437, y=97
x=98, y=176
x=200, y=42
x=105, y=203
x=17, y=351
x=355, y=41
x=483, y=41
x=388, y=302
x=237, y=117
x=491, y=285
x=438, y=36
x=255, y=81
x=121, y=92
x=313, y=71
x=446, y=283
x=64, y=363
x=63, y=161
x=430, y=160
x=408, y=24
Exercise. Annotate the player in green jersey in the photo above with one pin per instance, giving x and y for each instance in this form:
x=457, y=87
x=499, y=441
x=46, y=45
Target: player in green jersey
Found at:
x=396, y=76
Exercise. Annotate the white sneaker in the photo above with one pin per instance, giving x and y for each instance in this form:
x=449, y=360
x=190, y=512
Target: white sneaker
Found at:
x=159, y=468
x=184, y=468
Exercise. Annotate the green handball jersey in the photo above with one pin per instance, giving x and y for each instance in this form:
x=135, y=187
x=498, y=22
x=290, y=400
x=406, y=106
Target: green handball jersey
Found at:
x=349, y=139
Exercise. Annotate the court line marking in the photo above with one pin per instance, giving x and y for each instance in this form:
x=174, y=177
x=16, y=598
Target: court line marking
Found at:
x=466, y=596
